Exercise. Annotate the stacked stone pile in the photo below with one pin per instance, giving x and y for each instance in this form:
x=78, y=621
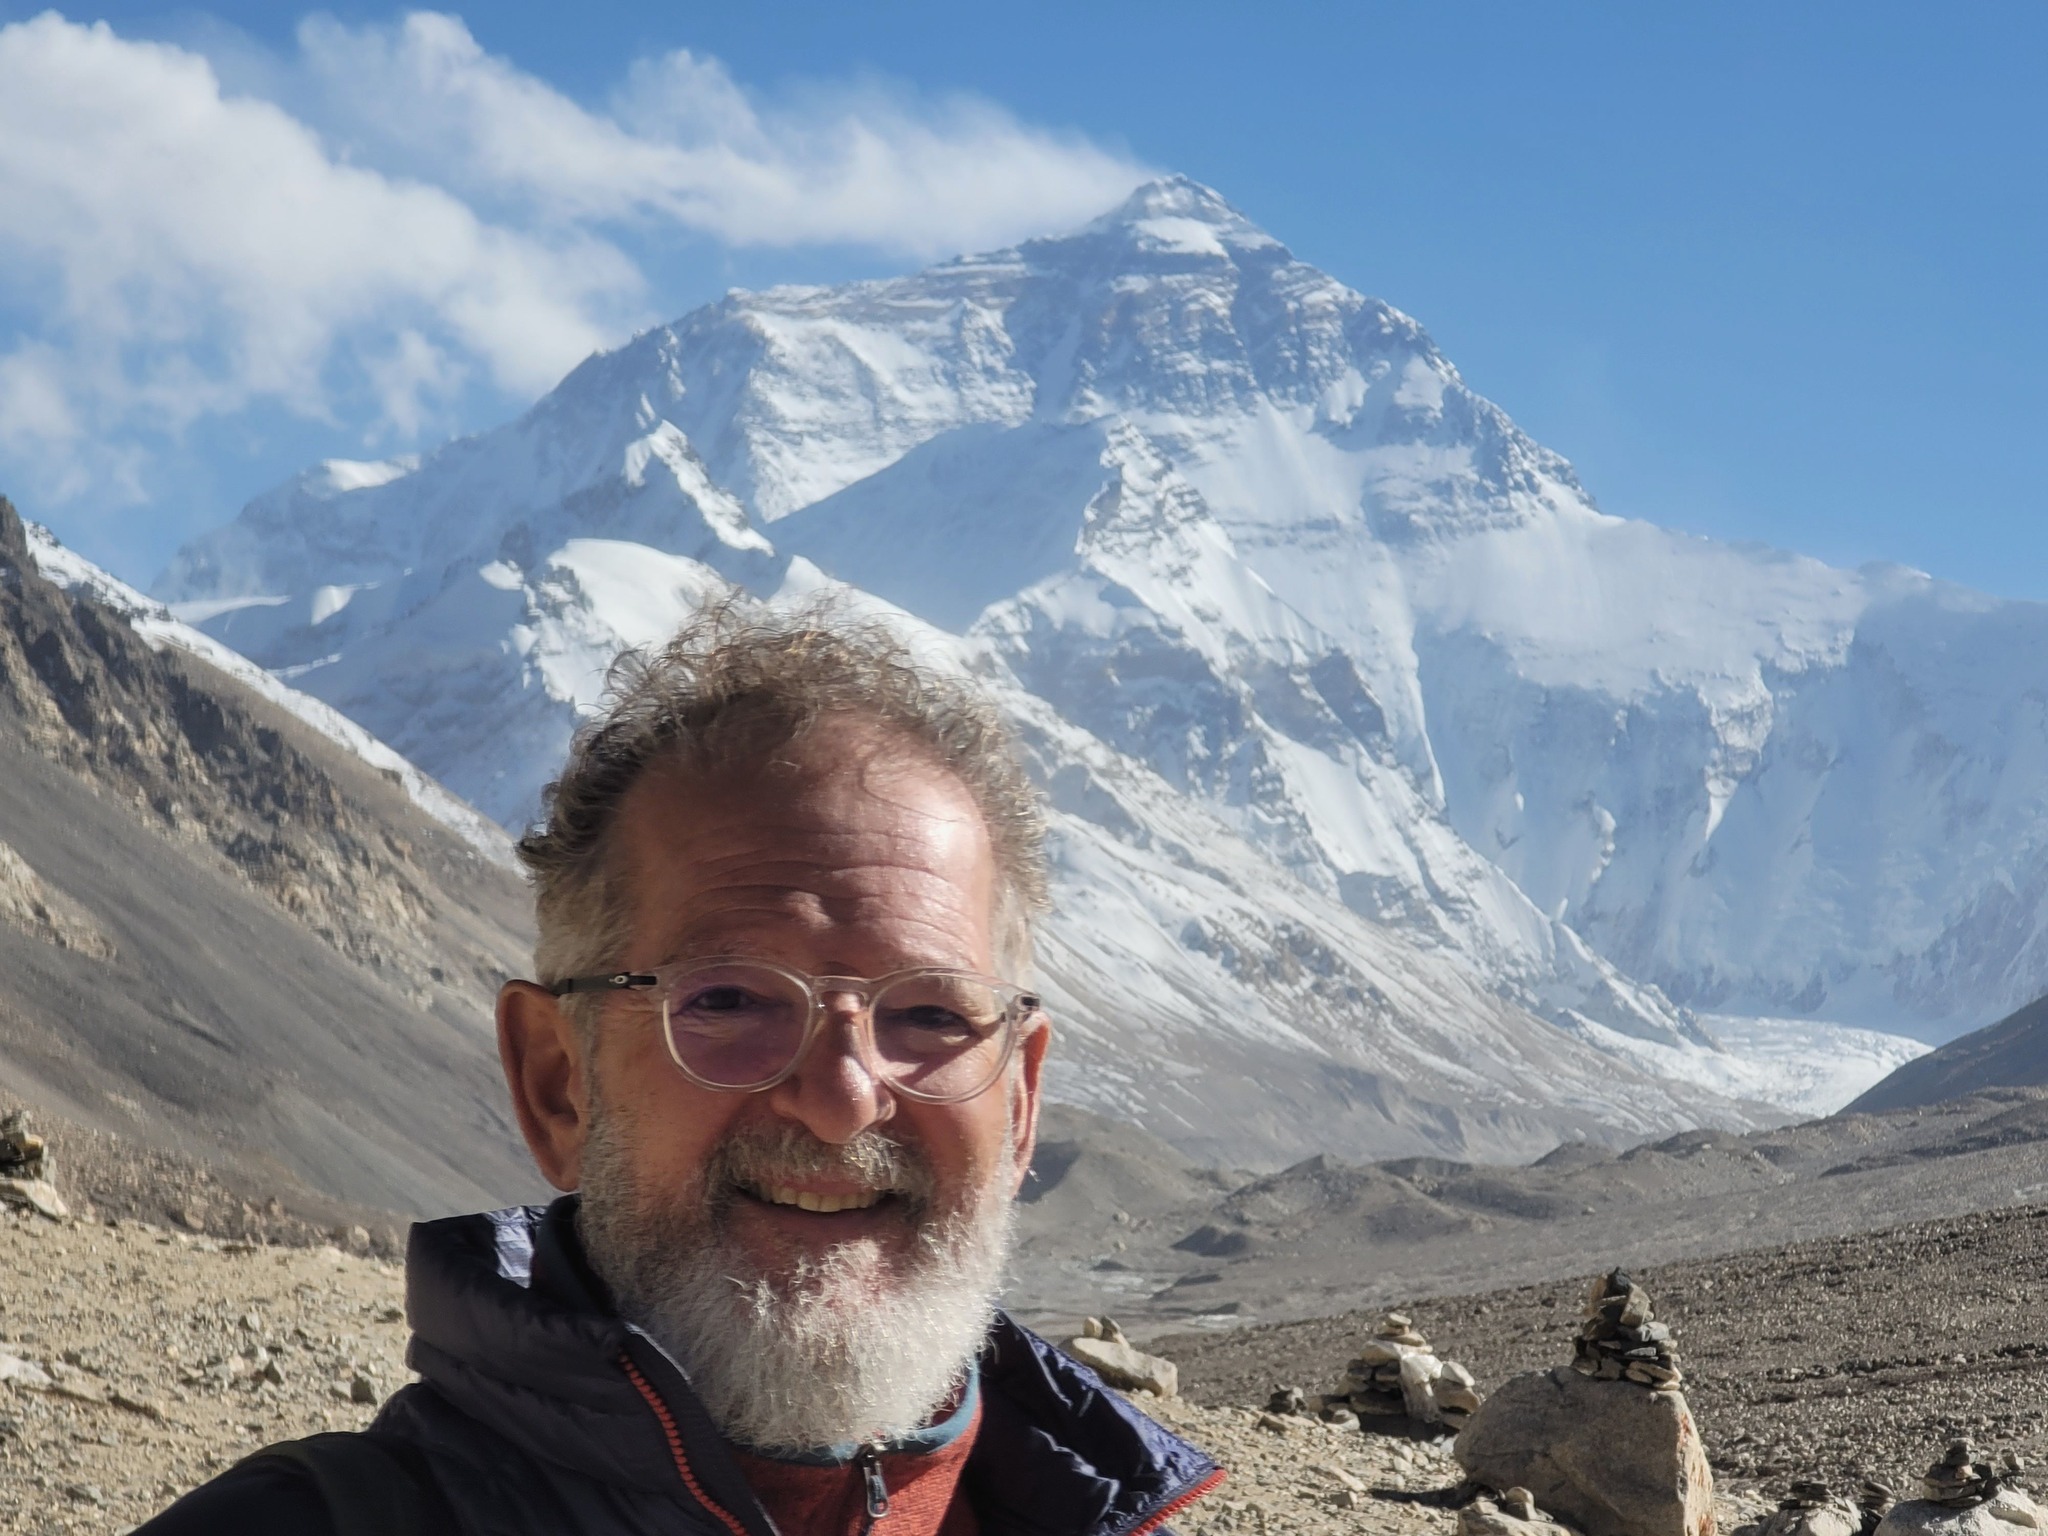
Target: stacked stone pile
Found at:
x=1621, y=1338
x=1609, y=1445
x=1397, y=1379
x=1963, y=1496
x=28, y=1172
x=1959, y=1481
x=1874, y=1501
x=1397, y=1375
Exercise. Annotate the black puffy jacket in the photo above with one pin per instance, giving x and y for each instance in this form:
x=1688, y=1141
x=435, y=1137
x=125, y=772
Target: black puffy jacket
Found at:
x=539, y=1411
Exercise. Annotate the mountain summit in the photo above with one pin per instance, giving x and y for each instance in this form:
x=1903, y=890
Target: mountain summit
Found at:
x=1392, y=775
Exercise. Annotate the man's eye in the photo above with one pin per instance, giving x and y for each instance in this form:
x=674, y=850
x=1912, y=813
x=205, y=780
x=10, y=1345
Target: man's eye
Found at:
x=933, y=1020
x=720, y=1000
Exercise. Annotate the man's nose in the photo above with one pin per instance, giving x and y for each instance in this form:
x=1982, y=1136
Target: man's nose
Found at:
x=834, y=1093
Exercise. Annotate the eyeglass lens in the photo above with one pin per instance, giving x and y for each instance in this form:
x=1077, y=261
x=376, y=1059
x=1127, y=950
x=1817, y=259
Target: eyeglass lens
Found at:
x=738, y=1026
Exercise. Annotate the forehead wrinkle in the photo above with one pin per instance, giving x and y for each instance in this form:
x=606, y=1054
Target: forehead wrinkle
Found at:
x=886, y=859
x=938, y=933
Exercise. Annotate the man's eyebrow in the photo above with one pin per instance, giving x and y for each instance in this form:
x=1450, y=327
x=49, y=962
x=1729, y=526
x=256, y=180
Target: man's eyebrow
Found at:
x=690, y=953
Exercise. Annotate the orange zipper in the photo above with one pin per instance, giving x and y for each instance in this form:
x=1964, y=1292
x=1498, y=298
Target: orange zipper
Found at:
x=1207, y=1485
x=675, y=1446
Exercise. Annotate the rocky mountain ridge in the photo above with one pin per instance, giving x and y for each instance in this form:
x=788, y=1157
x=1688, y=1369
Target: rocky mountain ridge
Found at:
x=225, y=935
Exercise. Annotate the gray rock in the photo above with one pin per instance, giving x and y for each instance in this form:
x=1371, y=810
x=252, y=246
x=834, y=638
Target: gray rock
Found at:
x=1419, y=1372
x=38, y=1195
x=1830, y=1517
x=1611, y=1458
x=1510, y=1516
x=2008, y=1514
x=24, y=1373
x=1121, y=1365
x=1287, y=1400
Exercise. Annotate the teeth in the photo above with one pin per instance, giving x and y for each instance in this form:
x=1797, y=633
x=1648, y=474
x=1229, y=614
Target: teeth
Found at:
x=804, y=1200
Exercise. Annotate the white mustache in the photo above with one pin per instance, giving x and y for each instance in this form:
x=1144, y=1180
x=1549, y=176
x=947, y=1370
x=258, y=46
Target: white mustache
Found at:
x=777, y=1157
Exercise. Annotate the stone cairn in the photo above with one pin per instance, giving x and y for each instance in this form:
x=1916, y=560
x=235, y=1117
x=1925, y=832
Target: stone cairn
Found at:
x=23, y=1155
x=1959, y=1481
x=27, y=1170
x=1621, y=1339
x=1873, y=1502
x=1960, y=1493
x=1396, y=1376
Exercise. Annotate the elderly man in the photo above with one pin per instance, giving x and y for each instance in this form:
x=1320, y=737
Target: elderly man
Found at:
x=781, y=1047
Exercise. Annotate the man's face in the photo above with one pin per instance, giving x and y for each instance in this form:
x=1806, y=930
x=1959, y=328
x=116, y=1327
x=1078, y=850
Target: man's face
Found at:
x=850, y=857
x=853, y=856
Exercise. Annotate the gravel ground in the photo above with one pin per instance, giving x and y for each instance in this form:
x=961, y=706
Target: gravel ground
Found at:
x=1837, y=1358
x=174, y=1356
x=1305, y=1478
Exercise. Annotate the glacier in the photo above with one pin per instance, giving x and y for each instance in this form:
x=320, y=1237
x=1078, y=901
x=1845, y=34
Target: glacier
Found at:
x=1404, y=799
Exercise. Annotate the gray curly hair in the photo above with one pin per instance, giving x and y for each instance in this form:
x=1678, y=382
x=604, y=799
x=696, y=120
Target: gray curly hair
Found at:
x=737, y=683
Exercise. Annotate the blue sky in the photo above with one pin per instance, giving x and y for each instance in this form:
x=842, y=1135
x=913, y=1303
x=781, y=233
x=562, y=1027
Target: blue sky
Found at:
x=1762, y=272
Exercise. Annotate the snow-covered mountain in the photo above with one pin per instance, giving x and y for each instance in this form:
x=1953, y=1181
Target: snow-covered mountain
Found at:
x=1399, y=790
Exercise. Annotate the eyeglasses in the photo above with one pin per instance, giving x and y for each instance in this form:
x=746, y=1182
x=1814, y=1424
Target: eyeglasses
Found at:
x=743, y=1026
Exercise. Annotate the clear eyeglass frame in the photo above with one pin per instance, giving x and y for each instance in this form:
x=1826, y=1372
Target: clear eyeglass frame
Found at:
x=1019, y=1007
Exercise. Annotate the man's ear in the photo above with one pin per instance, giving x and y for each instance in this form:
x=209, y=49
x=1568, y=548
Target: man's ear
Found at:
x=1025, y=1082
x=544, y=1068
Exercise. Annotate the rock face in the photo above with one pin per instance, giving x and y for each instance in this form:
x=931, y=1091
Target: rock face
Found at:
x=1612, y=1458
x=28, y=904
x=222, y=927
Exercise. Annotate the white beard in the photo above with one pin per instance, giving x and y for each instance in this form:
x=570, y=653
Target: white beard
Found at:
x=866, y=1343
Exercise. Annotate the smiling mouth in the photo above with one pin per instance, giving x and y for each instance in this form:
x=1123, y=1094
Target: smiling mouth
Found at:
x=806, y=1200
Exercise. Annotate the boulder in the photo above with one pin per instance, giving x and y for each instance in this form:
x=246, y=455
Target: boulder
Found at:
x=1117, y=1362
x=1833, y=1517
x=2007, y=1513
x=1608, y=1457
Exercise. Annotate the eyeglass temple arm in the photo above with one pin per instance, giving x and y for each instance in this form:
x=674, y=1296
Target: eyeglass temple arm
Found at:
x=619, y=981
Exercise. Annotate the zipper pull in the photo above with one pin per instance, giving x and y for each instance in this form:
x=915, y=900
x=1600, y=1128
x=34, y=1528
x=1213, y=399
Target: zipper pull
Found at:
x=878, y=1491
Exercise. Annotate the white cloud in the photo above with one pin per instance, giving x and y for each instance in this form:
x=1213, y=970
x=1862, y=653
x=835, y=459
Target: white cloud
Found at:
x=683, y=143
x=188, y=252
x=367, y=229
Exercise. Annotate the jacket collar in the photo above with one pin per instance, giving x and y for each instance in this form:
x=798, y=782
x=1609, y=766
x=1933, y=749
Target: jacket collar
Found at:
x=510, y=1325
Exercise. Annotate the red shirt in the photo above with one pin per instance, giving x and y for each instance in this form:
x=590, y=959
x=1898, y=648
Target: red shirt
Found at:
x=831, y=1498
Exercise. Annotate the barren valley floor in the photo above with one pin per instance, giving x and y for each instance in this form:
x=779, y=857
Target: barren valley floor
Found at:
x=175, y=1354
